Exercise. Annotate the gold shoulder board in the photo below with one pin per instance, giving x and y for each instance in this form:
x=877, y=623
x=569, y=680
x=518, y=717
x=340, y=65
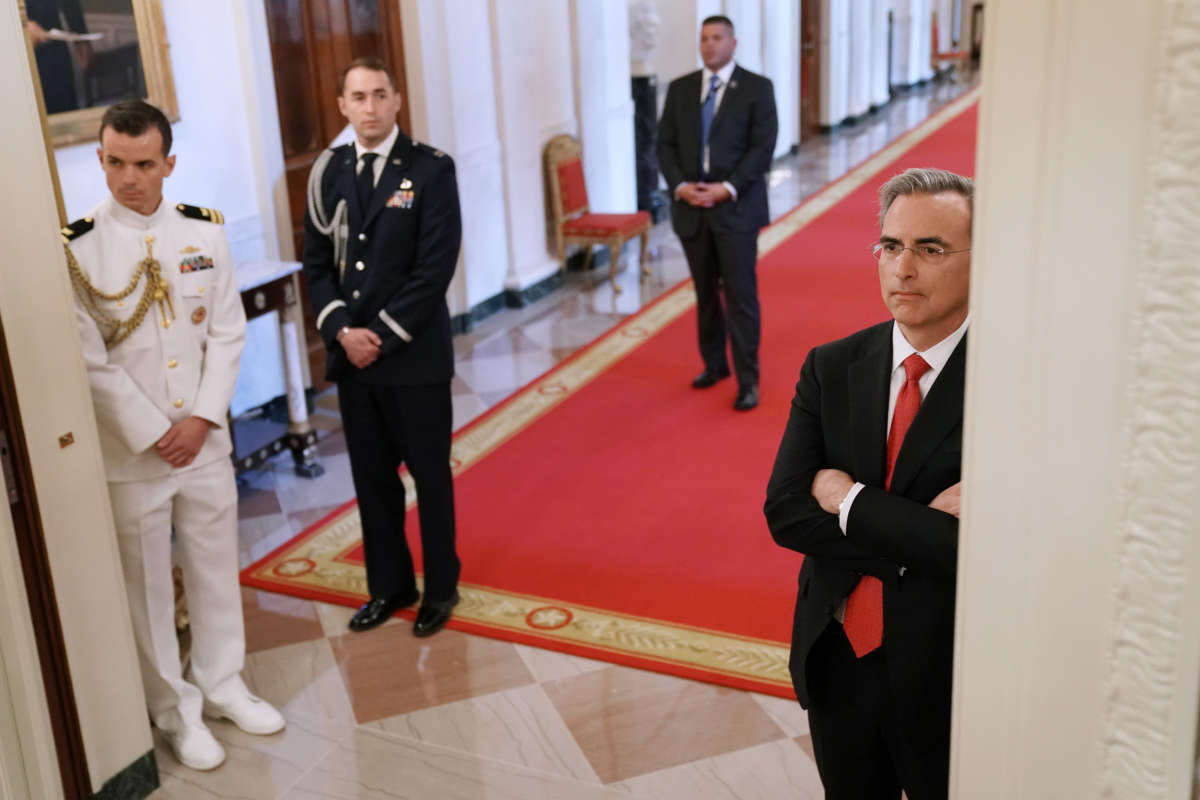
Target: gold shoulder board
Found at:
x=76, y=229
x=196, y=212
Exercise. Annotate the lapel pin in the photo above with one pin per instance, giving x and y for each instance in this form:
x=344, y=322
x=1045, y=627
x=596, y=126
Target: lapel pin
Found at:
x=733, y=84
x=406, y=184
x=397, y=161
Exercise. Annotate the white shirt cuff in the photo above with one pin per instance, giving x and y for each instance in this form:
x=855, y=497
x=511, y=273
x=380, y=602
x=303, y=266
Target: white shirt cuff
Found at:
x=732, y=191
x=844, y=507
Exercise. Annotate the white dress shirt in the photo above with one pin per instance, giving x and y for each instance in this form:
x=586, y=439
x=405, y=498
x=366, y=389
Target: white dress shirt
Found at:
x=383, y=150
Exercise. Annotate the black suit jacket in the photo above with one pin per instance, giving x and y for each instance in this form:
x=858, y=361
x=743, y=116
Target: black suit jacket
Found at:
x=839, y=420
x=741, y=142
x=407, y=241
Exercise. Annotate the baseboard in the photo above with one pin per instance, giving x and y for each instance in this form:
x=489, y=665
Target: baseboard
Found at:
x=519, y=298
x=134, y=782
x=463, y=323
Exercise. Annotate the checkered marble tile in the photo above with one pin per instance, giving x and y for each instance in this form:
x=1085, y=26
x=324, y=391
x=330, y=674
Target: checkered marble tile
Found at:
x=384, y=714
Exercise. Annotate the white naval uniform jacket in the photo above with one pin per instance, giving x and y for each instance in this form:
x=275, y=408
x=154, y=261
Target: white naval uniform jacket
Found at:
x=160, y=375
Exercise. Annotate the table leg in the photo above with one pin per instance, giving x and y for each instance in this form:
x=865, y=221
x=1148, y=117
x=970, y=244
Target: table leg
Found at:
x=302, y=438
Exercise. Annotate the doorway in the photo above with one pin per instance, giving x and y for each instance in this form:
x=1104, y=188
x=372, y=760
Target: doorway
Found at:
x=21, y=502
x=311, y=40
x=810, y=69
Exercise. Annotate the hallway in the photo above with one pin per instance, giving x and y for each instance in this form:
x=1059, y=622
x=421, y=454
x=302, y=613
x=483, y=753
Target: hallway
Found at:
x=383, y=714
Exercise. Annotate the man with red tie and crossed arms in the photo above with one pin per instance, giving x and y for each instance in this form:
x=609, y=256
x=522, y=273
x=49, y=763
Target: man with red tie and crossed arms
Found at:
x=866, y=485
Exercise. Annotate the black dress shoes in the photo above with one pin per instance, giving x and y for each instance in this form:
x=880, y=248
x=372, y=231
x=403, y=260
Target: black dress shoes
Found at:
x=707, y=378
x=747, y=398
x=432, y=617
x=379, y=610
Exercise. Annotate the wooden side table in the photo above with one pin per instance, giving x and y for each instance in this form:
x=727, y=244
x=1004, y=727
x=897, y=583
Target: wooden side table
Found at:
x=268, y=286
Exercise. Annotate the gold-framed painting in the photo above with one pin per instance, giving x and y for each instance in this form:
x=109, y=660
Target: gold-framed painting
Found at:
x=89, y=54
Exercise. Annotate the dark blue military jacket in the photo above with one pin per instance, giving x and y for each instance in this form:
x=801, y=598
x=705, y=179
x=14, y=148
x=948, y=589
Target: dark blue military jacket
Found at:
x=394, y=266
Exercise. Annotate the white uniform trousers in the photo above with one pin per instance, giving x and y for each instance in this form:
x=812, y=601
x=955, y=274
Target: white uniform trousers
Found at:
x=201, y=504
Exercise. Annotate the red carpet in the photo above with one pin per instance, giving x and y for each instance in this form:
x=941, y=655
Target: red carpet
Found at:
x=631, y=510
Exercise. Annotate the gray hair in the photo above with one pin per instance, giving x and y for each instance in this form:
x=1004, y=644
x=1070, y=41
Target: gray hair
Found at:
x=924, y=180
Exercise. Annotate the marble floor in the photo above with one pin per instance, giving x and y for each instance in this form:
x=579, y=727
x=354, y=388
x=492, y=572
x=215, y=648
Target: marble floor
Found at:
x=383, y=714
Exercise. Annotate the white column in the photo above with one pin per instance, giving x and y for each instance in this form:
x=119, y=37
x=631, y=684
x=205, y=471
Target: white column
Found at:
x=704, y=8
x=452, y=105
x=678, y=50
x=901, y=41
x=747, y=16
x=859, y=62
x=781, y=59
x=604, y=103
x=534, y=86
x=835, y=60
x=1078, y=637
x=880, y=89
x=945, y=20
x=922, y=39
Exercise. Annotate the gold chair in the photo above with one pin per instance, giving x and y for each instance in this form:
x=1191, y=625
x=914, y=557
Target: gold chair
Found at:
x=574, y=224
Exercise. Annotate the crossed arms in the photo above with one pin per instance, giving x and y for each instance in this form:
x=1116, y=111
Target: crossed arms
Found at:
x=884, y=531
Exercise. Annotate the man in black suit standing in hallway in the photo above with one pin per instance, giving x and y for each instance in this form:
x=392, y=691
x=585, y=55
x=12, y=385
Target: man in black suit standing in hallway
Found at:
x=715, y=143
x=866, y=485
x=381, y=241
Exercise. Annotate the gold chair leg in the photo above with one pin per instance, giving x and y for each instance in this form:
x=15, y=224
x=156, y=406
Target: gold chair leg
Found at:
x=587, y=257
x=642, y=257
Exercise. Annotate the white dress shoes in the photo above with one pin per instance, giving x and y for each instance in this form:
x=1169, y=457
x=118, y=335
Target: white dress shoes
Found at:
x=195, y=746
x=251, y=714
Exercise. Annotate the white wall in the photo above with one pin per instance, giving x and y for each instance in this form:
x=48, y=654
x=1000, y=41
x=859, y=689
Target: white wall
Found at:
x=52, y=392
x=1078, y=641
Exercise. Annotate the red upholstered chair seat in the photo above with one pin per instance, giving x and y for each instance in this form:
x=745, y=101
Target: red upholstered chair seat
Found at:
x=573, y=222
x=606, y=225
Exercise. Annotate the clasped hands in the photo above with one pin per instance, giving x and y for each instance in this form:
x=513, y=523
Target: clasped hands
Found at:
x=703, y=195
x=361, y=346
x=830, y=487
x=182, y=441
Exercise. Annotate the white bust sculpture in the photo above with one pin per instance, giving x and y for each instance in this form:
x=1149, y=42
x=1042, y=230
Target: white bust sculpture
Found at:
x=644, y=25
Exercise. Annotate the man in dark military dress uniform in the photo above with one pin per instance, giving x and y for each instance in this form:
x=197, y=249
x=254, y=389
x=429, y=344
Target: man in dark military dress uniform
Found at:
x=382, y=235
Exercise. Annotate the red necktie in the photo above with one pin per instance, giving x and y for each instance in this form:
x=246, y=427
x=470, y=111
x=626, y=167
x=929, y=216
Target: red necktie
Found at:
x=864, y=607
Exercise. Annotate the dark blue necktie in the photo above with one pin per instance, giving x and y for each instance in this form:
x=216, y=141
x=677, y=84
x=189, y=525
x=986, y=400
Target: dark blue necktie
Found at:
x=365, y=182
x=706, y=118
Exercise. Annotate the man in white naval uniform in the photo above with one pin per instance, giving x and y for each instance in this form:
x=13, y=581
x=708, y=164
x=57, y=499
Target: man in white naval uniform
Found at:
x=162, y=329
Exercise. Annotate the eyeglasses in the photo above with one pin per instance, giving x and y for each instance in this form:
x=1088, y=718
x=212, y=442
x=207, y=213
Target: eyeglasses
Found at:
x=927, y=253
